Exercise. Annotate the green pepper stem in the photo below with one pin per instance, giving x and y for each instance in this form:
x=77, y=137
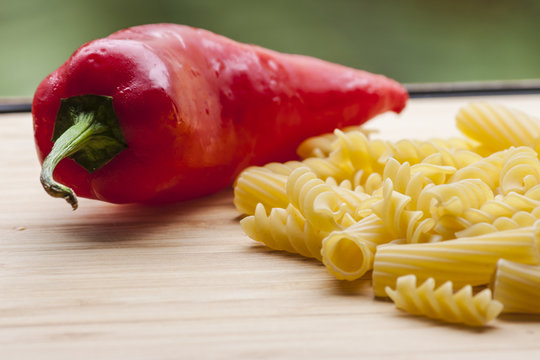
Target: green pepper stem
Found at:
x=72, y=140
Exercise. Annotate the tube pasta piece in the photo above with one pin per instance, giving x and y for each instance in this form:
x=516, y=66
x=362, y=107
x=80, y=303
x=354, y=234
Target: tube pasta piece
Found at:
x=497, y=127
x=467, y=260
x=442, y=303
x=263, y=184
x=257, y=185
x=517, y=287
x=284, y=229
x=348, y=254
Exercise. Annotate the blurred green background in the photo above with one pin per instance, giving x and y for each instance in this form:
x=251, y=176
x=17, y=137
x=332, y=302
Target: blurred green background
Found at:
x=411, y=40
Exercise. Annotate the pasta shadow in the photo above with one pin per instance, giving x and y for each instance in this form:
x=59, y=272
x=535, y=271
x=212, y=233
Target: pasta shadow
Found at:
x=520, y=318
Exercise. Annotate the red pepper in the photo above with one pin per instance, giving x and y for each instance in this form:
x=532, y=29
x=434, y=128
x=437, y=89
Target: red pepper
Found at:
x=160, y=113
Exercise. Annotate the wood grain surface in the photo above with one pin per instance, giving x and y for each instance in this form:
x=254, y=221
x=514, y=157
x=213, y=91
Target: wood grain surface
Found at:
x=183, y=282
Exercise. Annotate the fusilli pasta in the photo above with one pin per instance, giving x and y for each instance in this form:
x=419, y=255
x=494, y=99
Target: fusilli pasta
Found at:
x=442, y=303
x=284, y=229
x=464, y=261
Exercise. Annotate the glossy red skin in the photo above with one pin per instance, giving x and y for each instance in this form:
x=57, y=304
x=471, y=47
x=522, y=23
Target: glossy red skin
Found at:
x=196, y=108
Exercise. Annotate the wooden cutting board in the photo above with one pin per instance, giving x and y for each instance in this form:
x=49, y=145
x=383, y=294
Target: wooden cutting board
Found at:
x=183, y=281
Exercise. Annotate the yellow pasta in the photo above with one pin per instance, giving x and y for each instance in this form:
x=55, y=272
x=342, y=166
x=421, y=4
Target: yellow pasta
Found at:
x=321, y=146
x=520, y=172
x=325, y=168
x=517, y=287
x=447, y=203
x=487, y=169
x=464, y=261
x=457, y=158
x=503, y=212
x=322, y=204
x=409, y=225
x=284, y=229
x=257, y=185
x=442, y=303
x=517, y=220
x=497, y=127
x=318, y=146
x=415, y=151
x=348, y=254
x=455, y=198
x=441, y=209
x=500, y=206
x=355, y=151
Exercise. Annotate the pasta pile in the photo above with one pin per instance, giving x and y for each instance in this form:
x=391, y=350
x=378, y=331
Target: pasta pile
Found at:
x=450, y=213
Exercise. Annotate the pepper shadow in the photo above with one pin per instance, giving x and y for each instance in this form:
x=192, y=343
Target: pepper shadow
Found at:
x=98, y=224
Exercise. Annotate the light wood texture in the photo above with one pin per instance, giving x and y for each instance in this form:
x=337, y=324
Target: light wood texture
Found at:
x=183, y=281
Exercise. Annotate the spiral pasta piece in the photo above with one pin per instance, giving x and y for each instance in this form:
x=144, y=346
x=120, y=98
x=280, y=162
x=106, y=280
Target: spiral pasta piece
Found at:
x=324, y=168
x=487, y=169
x=402, y=223
x=517, y=287
x=356, y=152
x=447, y=203
x=415, y=151
x=348, y=254
x=442, y=303
x=456, y=198
x=497, y=127
x=457, y=158
x=517, y=220
x=521, y=170
x=322, y=204
x=503, y=212
x=284, y=229
x=467, y=260
x=322, y=145
x=318, y=146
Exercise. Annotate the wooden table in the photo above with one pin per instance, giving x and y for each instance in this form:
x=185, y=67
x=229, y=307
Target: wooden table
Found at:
x=184, y=282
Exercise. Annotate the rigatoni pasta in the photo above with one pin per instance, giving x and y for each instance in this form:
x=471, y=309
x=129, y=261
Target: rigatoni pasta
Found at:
x=517, y=287
x=348, y=254
x=497, y=127
x=446, y=210
x=464, y=261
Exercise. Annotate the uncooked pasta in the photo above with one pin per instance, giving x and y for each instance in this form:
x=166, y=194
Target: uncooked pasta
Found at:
x=517, y=287
x=348, y=254
x=443, y=212
x=464, y=261
x=442, y=303
x=497, y=127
